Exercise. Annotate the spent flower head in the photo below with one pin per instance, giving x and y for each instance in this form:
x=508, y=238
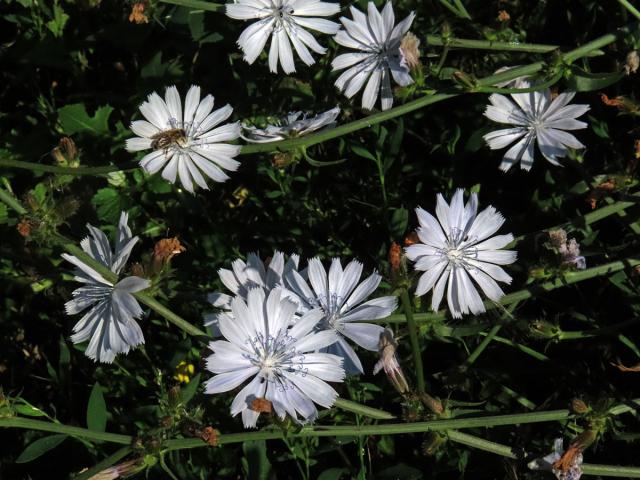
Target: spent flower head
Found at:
x=110, y=323
x=536, y=118
x=282, y=360
x=294, y=124
x=565, y=465
x=286, y=22
x=340, y=298
x=457, y=247
x=387, y=346
x=187, y=144
x=379, y=55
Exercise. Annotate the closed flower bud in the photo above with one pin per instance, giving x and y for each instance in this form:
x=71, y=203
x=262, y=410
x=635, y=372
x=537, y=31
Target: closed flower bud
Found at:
x=578, y=406
x=387, y=348
x=432, y=443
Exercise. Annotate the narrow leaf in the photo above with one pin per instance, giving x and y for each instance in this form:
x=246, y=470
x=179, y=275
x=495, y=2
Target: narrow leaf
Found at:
x=97, y=410
x=40, y=447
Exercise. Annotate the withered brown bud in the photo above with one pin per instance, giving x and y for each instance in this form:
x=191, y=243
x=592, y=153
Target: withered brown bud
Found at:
x=24, y=227
x=503, y=16
x=166, y=421
x=578, y=406
x=137, y=270
x=283, y=159
x=210, y=436
x=432, y=443
x=137, y=13
x=433, y=404
x=411, y=239
x=174, y=395
x=163, y=251
x=410, y=50
x=66, y=153
x=395, y=256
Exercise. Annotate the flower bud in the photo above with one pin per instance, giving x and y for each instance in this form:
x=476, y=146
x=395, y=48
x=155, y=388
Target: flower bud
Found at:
x=387, y=349
x=579, y=407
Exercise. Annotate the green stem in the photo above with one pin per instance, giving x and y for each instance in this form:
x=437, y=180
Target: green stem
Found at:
x=31, y=424
x=439, y=41
x=633, y=10
x=12, y=202
x=197, y=5
x=360, y=409
x=99, y=170
x=413, y=337
x=104, y=464
x=462, y=13
x=568, y=278
x=483, y=345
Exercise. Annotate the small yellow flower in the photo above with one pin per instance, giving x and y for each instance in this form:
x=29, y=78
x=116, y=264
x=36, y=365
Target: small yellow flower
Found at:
x=184, y=372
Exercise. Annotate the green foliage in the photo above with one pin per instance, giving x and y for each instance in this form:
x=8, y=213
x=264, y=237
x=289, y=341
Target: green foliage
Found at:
x=97, y=410
x=81, y=68
x=40, y=447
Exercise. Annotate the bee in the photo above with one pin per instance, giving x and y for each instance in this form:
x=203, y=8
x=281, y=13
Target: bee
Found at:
x=163, y=140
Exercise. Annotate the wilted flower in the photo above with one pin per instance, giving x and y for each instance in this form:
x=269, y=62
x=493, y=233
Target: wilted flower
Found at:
x=290, y=126
x=378, y=40
x=340, y=298
x=632, y=63
x=164, y=250
x=457, y=246
x=121, y=470
x=283, y=360
x=285, y=21
x=564, y=465
x=569, y=251
x=410, y=49
x=185, y=144
x=110, y=323
x=387, y=346
x=536, y=118
x=137, y=14
x=244, y=276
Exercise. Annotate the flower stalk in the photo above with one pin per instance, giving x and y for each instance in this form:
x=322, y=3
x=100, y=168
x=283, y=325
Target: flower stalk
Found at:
x=413, y=337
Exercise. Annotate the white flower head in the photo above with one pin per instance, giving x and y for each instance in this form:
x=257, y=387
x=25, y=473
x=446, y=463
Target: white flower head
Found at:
x=110, y=323
x=536, y=118
x=340, y=297
x=377, y=39
x=295, y=124
x=458, y=247
x=186, y=144
x=285, y=21
x=283, y=360
x=549, y=462
x=245, y=276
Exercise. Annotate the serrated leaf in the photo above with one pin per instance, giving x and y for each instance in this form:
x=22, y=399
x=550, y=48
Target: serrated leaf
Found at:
x=40, y=447
x=108, y=203
x=74, y=119
x=97, y=410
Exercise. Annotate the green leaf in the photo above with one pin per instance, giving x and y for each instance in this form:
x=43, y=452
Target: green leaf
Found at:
x=258, y=465
x=363, y=152
x=56, y=25
x=74, y=119
x=108, y=203
x=29, y=411
x=97, y=410
x=4, y=213
x=399, y=221
x=40, y=447
x=188, y=392
x=582, y=81
x=334, y=474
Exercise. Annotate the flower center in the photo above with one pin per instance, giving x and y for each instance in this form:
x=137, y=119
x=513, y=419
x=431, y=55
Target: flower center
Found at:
x=455, y=255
